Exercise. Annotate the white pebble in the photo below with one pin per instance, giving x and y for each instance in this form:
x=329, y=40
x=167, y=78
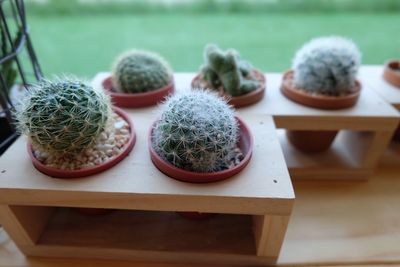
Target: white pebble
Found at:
x=89, y=152
x=103, y=147
x=103, y=136
x=107, y=146
x=119, y=124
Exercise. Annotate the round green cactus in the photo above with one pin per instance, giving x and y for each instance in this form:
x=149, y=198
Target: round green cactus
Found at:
x=63, y=116
x=197, y=131
x=140, y=71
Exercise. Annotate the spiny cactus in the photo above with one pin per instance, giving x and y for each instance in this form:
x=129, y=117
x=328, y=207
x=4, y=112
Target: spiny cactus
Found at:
x=327, y=65
x=63, y=116
x=140, y=71
x=197, y=131
x=228, y=69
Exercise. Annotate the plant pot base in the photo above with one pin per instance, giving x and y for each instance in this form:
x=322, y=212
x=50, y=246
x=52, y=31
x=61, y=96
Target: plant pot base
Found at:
x=238, y=101
x=137, y=100
x=311, y=141
x=245, y=144
x=318, y=101
x=60, y=173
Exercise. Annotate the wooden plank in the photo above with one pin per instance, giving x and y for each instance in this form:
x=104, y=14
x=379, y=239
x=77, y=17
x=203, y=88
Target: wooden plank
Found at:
x=345, y=160
x=269, y=232
x=333, y=224
x=25, y=224
x=376, y=148
x=370, y=113
x=345, y=223
x=149, y=256
x=136, y=183
x=150, y=231
x=391, y=156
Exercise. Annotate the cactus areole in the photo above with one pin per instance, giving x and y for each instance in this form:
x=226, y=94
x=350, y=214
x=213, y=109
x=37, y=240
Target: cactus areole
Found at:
x=324, y=73
x=139, y=79
x=198, y=137
x=229, y=75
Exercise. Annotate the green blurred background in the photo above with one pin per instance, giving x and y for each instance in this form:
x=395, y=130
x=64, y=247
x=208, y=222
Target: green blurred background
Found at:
x=83, y=37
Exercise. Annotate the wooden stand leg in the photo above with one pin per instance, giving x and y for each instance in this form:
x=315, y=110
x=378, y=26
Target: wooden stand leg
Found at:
x=269, y=231
x=24, y=223
x=378, y=144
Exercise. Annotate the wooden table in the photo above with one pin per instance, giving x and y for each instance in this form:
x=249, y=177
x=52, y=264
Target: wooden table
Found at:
x=333, y=223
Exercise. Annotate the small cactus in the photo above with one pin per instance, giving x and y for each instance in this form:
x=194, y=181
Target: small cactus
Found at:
x=63, y=116
x=327, y=65
x=140, y=71
x=227, y=69
x=197, y=131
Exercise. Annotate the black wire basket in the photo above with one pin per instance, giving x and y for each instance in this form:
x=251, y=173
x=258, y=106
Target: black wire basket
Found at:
x=18, y=64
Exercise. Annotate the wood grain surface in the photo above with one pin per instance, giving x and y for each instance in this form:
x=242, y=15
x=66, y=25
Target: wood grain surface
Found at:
x=333, y=223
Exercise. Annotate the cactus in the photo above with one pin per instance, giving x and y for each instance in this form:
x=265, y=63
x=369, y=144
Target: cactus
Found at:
x=140, y=71
x=197, y=132
x=327, y=65
x=228, y=69
x=63, y=116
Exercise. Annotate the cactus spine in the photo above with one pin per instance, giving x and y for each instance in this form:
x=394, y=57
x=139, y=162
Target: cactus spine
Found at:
x=227, y=69
x=140, y=71
x=197, y=131
x=63, y=116
x=327, y=65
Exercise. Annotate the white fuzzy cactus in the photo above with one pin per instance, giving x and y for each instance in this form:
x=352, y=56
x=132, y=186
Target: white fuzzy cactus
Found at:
x=197, y=131
x=327, y=65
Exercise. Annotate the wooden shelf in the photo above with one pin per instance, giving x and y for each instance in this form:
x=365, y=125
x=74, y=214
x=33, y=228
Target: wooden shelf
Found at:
x=342, y=161
x=371, y=115
x=333, y=224
x=372, y=121
x=150, y=231
x=262, y=196
x=372, y=76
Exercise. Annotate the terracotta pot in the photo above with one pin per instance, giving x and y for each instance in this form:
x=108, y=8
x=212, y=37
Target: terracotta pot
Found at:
x=391, y=72
x=311, y=141
x=318, y=101
x=238, y=101
x=137, y=100
x=58, y=173
x=245, y=144
x=315, y=141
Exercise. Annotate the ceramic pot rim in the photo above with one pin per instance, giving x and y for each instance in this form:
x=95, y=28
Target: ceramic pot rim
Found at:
x=243, y=100
x=58, y=173
x=390, y=74
x=137, y=100
x=197, y=177
x=318, y=101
